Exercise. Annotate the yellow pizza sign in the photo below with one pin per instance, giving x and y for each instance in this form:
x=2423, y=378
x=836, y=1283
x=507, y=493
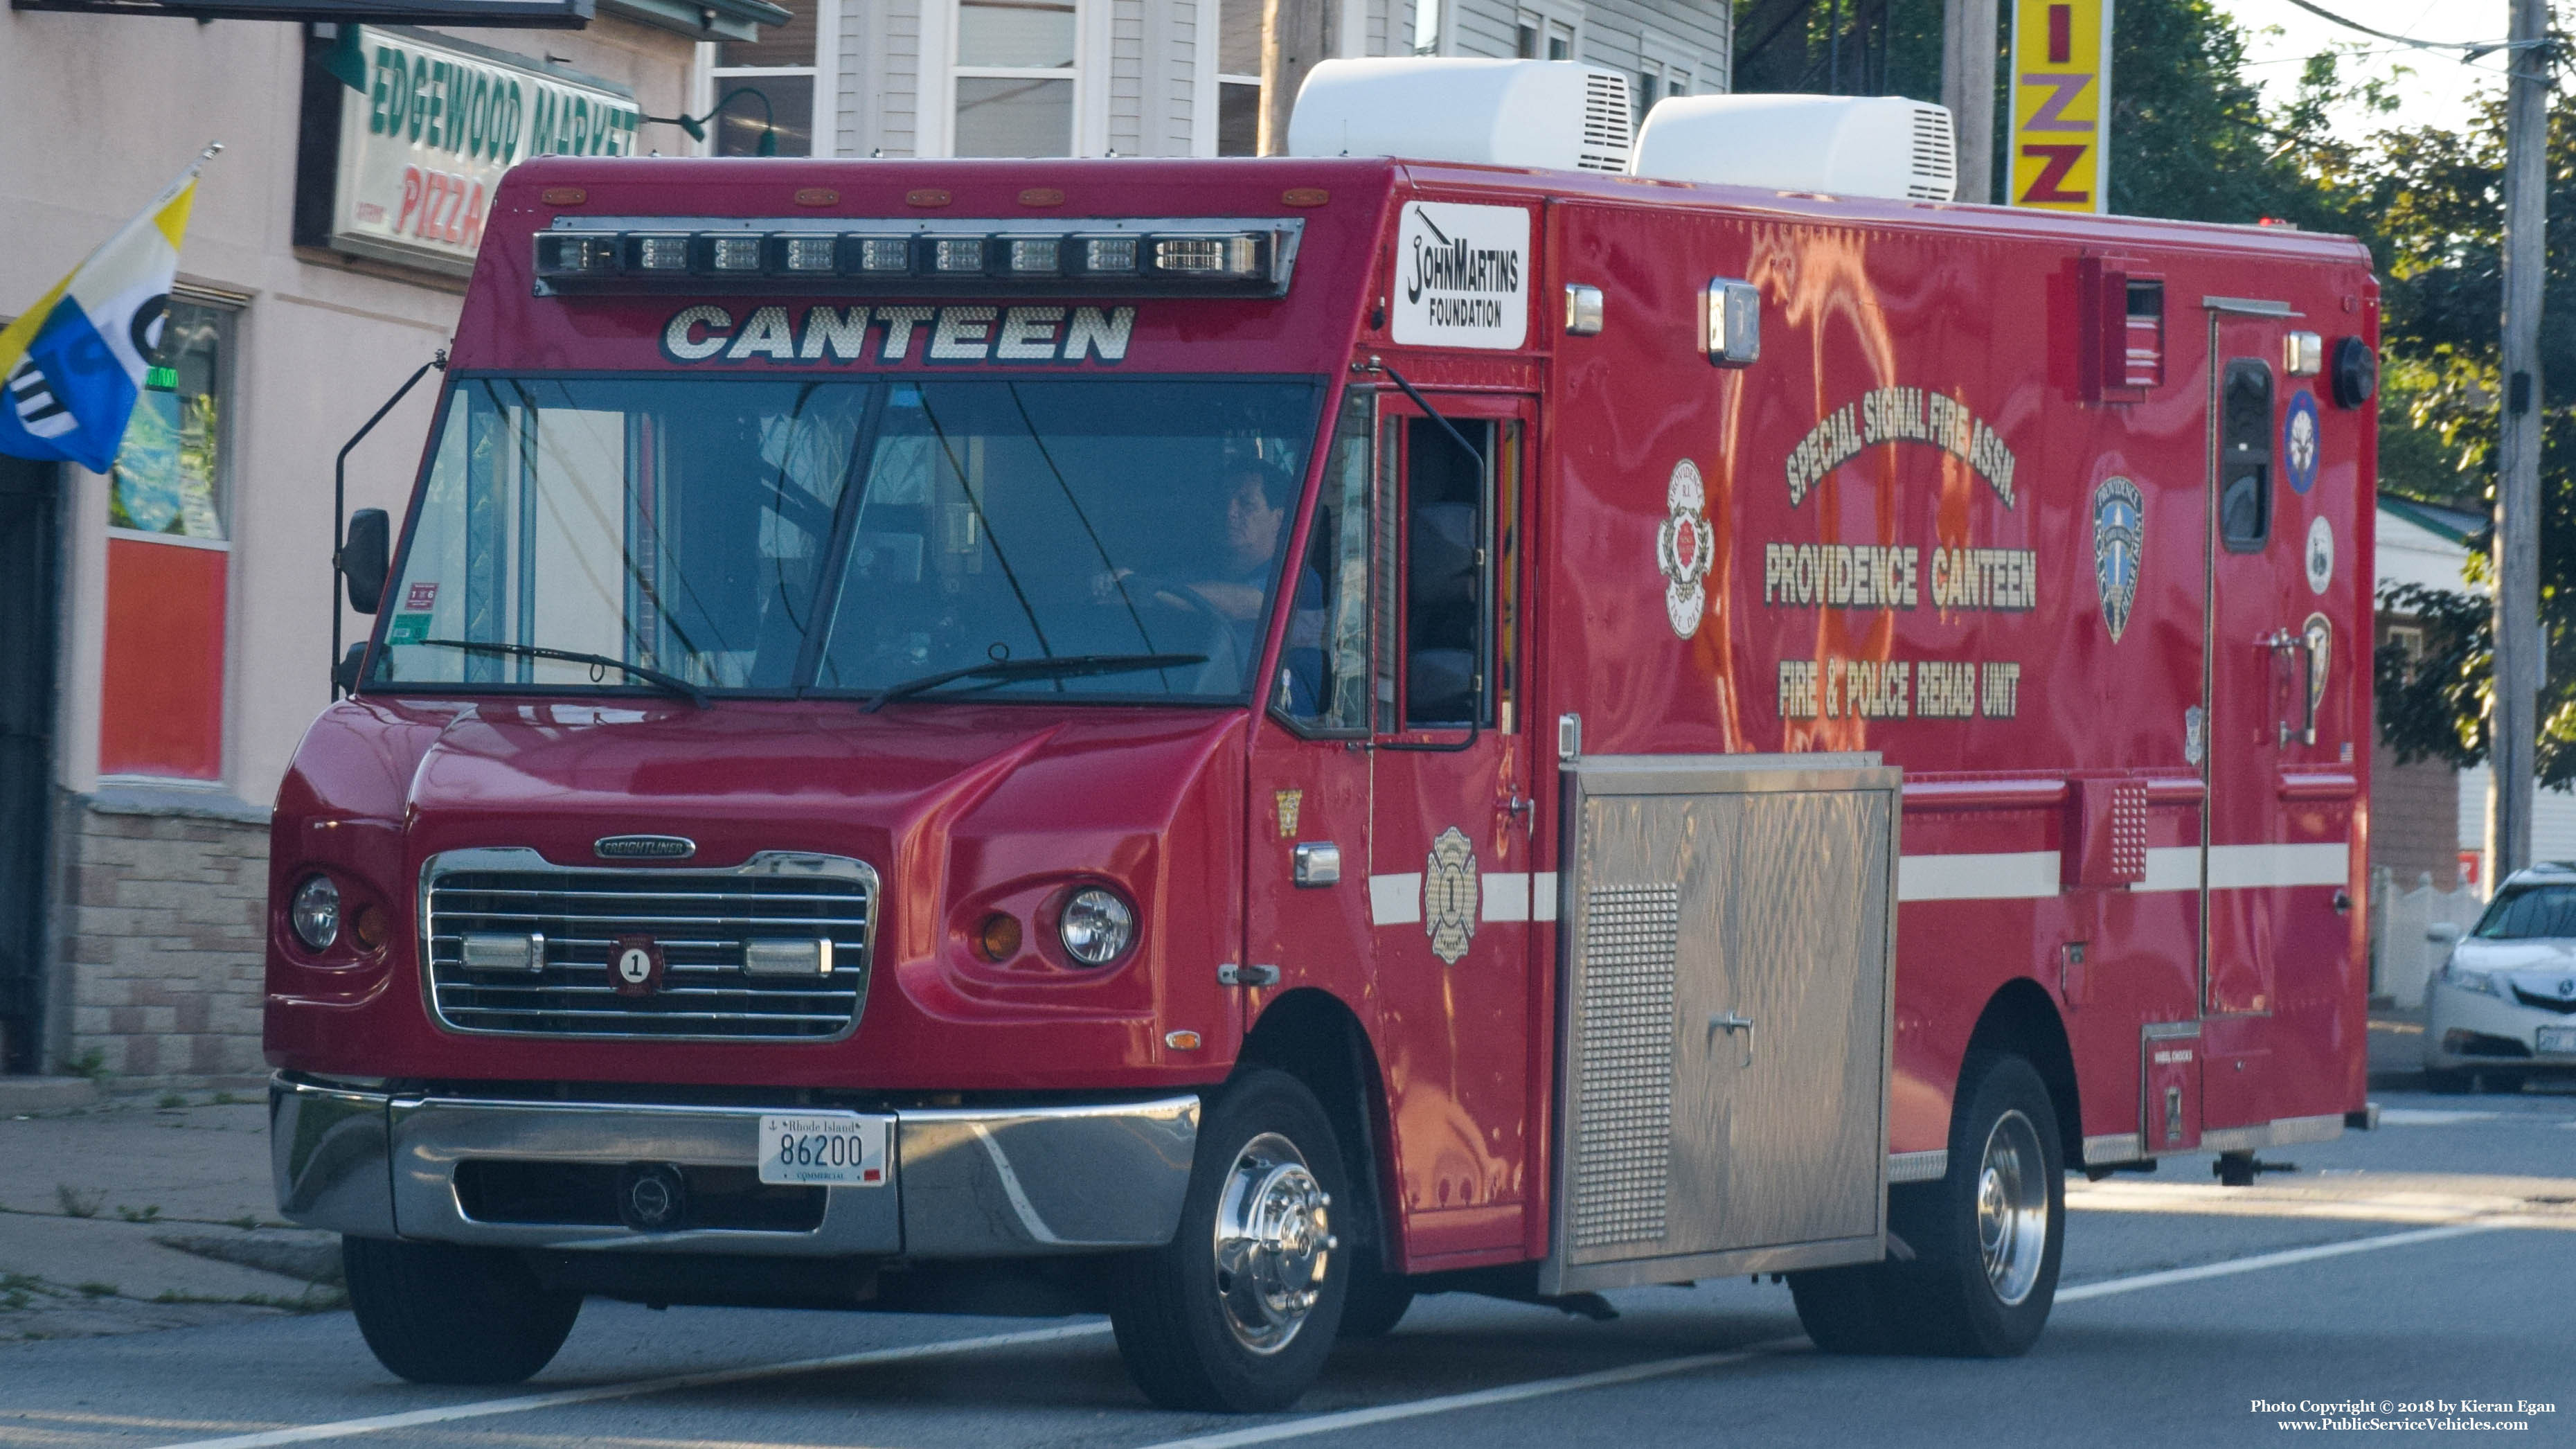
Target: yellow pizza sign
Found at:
x=2061, y=103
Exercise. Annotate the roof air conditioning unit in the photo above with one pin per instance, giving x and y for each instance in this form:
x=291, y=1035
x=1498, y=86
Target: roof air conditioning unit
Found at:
x=1540, y=113
x=1844, y=145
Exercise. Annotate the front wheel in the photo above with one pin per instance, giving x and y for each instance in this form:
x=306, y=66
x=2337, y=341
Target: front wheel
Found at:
x=1237, y=1312
x=436, y=1313
x=1989, y=1236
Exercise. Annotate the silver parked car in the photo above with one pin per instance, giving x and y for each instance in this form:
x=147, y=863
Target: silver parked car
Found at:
x=2503, y=1007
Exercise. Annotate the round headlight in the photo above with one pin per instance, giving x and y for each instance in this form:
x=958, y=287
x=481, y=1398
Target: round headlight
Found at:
x=1097, y=926
x=315, y=912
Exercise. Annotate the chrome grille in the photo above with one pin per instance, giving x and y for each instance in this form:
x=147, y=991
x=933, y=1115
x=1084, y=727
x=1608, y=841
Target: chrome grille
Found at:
x=703, y=921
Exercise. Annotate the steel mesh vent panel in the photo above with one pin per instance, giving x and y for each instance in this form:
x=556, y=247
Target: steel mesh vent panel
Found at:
x=701, y=920
x=1607, y=128
x=1935, y=162
x=1624, y=1097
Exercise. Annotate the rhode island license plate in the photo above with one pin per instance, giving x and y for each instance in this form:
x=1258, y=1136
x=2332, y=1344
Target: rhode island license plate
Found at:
x=834, y=1149
x=2556, y=1041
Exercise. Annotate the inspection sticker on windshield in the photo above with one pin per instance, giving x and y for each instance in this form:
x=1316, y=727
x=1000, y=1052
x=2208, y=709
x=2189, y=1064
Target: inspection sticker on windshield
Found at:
x=408, y=629
x=838, y=1149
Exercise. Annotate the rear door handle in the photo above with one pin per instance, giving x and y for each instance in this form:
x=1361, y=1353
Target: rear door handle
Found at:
x=1733, y=1022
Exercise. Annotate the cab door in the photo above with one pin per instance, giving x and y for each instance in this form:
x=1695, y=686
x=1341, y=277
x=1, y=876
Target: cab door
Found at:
x=1450, y=884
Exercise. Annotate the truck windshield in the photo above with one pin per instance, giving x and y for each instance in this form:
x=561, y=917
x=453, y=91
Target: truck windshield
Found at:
x=783, y=536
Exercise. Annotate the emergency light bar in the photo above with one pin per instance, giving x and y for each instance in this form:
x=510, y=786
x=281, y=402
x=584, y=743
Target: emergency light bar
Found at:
x=946, y=257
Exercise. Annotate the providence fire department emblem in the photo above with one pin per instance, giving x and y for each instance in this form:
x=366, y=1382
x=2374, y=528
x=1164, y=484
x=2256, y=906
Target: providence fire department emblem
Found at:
x=1684, y=550
x=2119, y=539
x=1449, y=895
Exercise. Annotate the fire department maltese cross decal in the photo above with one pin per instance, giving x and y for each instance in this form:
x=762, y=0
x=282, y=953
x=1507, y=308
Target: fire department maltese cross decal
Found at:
x=1684, y=549
x=1449, y=895
x=2119, y=536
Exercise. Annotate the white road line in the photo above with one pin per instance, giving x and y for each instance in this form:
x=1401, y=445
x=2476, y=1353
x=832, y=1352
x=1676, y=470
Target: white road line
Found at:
x=1450, y=1403
x=2261, y=1261
x=520, y=1404
x=1664, y=1367
x=1261, y=1433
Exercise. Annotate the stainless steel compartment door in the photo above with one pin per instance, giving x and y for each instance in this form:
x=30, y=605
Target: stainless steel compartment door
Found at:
x=1728, y=973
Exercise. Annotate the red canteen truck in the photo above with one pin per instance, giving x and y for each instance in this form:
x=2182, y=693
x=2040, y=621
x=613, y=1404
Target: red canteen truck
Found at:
x=1231, y=742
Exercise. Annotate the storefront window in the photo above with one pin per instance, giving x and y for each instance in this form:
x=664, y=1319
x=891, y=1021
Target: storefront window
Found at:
x=162, y=667
x=169, y=476
x=768, y=83
x=1015, y=77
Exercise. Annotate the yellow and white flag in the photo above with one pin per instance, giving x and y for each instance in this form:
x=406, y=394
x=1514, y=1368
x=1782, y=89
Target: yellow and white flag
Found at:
x=75, y=362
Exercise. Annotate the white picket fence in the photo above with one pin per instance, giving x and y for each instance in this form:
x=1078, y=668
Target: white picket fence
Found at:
x=2401, y=959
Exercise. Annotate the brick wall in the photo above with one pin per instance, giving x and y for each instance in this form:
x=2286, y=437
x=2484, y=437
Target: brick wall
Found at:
x=2414, y=820
x=161, y=926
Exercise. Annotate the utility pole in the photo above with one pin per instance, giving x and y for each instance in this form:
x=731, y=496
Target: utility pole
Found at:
x=1968, y=89
x=2518, y=642
x=1294, y=35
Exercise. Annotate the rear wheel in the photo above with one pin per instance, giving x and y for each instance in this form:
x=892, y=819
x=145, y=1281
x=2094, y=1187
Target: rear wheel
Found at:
x=436, y=1313
x=1989, y=1236
x=1856, y=1309
x=1237, y=1312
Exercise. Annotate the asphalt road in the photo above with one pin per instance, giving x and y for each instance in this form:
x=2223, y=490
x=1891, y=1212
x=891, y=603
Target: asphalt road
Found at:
x=2426, y=1261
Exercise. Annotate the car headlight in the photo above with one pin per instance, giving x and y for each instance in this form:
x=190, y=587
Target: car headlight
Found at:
x=1097, y=926
x=2467, y=980
x=315, y=912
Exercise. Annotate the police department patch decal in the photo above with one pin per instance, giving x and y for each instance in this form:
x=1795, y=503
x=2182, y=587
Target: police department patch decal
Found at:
x=2119, y=539
x=1450, y=895
x=2299, y=441
x=1684, y=550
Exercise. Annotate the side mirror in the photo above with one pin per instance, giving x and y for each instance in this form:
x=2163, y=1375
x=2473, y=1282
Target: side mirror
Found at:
x=366, y=557
x=2442, y=933
x=351, y=666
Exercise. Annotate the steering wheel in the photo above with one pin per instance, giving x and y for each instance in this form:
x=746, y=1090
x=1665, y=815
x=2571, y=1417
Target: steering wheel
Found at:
x=1225, y=664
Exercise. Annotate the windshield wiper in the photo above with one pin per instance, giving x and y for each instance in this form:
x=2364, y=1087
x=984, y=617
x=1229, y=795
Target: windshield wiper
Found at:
x=1059, y=666
x=671, y=683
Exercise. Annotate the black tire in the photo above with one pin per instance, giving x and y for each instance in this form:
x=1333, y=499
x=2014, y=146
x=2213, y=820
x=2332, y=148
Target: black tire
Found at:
x=1952, y=1304
x=1181, y=1343
x=1853, y=1310
x=1376, y=1301
x=439, y=1314
x=2446, y=1083
x=2234, y=1169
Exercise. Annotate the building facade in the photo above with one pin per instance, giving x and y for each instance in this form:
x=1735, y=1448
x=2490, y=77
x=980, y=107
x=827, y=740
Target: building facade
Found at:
x=1135, y=77
x=164, y=639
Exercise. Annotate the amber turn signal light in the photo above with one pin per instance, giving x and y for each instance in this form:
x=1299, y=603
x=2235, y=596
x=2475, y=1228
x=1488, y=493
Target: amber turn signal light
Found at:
x=999, y=936
x=368, y=929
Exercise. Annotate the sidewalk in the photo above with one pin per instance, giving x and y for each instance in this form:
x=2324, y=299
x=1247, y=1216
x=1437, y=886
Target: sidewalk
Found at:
x=148, y=1211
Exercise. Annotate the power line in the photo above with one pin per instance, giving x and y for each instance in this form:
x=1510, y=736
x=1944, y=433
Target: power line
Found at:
x=2471, y=49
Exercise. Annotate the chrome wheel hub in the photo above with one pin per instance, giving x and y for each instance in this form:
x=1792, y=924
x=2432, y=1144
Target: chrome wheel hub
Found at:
x=2012, y=1207
x=1274, y=1243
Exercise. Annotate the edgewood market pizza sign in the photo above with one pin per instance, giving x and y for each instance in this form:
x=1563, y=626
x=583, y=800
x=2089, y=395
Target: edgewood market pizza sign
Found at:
x=423, y=146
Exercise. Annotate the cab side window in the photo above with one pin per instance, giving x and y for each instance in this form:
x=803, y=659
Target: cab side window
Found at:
x=1323, y=684
x=1445, y=524
x=2245, y=454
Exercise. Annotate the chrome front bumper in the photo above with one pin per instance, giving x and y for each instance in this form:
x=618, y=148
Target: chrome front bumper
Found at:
x=985, y=1182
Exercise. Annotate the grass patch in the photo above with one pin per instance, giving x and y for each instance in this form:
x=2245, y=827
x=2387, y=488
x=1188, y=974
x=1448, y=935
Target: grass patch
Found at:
x=224, y=1099
x=76, y=1203
x=172, y=1099
x=95, y=1290
x=141, y=1214
x=245, y=1222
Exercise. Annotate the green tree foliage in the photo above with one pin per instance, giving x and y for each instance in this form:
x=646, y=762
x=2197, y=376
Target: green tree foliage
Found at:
x=2439, y=199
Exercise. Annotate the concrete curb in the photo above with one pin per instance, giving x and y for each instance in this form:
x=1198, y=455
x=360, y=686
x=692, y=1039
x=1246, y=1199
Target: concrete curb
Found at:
x=45, y=1094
